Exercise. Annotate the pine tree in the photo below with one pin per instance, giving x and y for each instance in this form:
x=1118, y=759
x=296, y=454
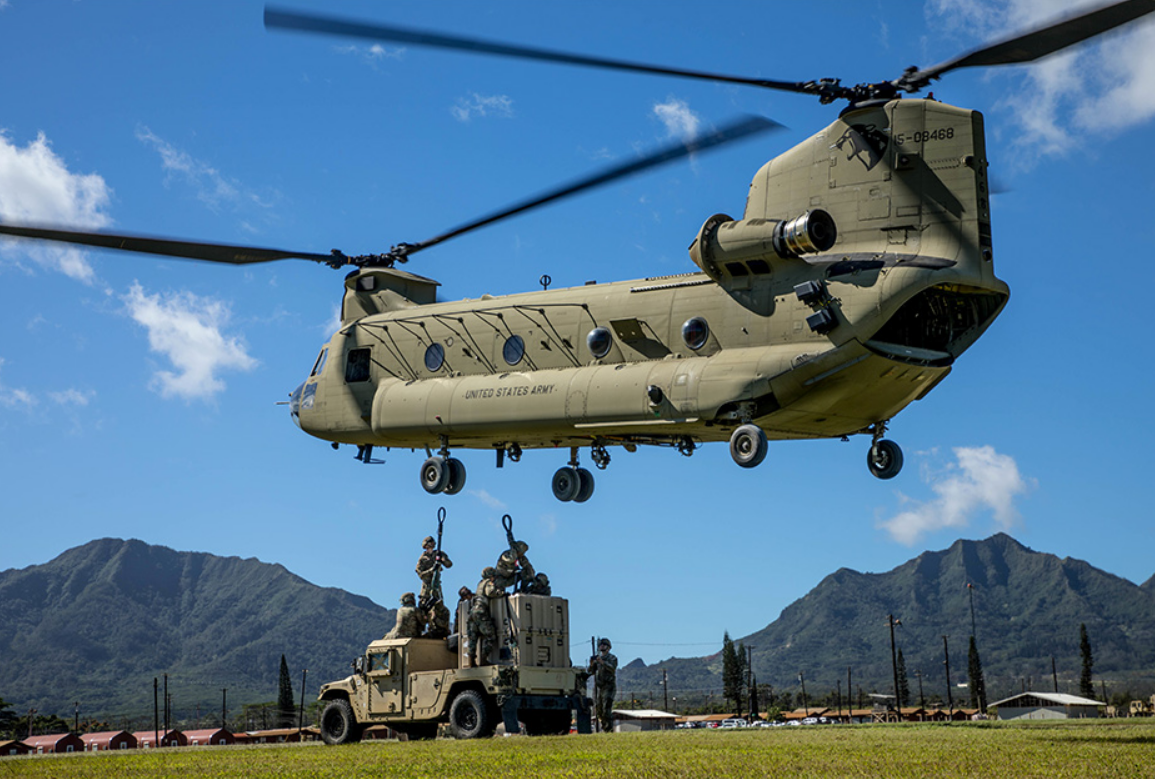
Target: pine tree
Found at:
x=286, y=711
x=978, y=687
x=1086, y=688
x=733, y=671
x=903, y=683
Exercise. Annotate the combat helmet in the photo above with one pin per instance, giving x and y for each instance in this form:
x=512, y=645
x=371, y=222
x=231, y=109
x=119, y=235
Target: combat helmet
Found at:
x=408, y=599
x=606, y=643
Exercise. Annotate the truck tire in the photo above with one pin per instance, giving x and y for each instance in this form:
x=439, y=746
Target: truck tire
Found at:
x=338, y=725
x=545, y=723
x=469, y=717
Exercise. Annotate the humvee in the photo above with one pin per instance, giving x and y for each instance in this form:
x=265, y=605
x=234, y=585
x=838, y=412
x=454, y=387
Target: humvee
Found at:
x=414, y=685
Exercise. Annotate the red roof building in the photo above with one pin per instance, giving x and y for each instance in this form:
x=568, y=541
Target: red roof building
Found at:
x=146, y=739
x=208, y=736
x=57, y=743
x=112, y=739
x=13, y=748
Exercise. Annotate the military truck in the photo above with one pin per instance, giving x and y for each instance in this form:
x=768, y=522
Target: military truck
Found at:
x=414, y=685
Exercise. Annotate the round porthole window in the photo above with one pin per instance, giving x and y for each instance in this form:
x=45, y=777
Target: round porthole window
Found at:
x=599, y=342
x=434, y=357
x=695, y=332
x=513, y=350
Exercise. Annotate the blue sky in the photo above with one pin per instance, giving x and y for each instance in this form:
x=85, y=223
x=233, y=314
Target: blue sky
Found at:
x=137, y=395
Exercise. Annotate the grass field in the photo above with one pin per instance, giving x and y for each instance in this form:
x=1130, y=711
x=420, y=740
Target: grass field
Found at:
x=1075, y=749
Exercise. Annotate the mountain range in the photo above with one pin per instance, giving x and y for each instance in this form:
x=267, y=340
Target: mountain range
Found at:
x=101, y=621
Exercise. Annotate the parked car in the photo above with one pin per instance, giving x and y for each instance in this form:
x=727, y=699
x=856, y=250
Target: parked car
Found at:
x=733, y=723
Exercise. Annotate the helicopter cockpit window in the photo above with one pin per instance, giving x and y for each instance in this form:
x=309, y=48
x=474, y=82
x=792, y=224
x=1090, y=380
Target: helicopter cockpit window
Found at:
x=319, y=365
x=357, y=366
x=513, y=350
x=434, y=357
x=695, y=332
x=599, y=342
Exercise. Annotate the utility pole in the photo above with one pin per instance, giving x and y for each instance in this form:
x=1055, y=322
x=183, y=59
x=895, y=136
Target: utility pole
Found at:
x=167, y=721
x=946, y=662
x=894, y=659
x=76, y=723
x=224, y=709
x=849, y=691
x=155, y=711
x=1054, y=674
x=805, y=704
x=666, y=691
x=301, y=721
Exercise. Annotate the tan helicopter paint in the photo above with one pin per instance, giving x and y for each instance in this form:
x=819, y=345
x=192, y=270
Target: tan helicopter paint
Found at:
x=911, y=216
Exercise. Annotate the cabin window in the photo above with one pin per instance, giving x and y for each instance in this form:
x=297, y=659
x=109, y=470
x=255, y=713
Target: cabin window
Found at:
x=357, y=366
x=695, y=332
x=599, y=342
x=319, y=365
x=379, y=662
x=513, y=350
x=434, y=357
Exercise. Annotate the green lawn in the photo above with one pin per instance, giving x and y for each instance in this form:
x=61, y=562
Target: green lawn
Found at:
x=1075, y=749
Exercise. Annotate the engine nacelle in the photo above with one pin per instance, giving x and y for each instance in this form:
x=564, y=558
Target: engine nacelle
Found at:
x=725, y=248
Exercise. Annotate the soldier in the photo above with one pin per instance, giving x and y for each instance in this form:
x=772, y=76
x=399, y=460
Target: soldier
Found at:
x=409, y=619
x=437, y=616
x=604, y=669
x=482, y=632
x=513, y=567
x=464, y=596
x=427, y=566
x=539, y=586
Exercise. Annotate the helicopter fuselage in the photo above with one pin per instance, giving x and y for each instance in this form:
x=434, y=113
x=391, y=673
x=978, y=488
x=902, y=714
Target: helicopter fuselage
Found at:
x=801, y=335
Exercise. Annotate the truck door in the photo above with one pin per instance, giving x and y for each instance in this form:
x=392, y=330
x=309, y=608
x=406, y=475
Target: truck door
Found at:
x=385, y=679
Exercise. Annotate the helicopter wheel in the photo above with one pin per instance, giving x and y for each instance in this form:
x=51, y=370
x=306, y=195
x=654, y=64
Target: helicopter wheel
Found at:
x=884, y=459
x=567, y=483
x=748, y=446
x=435, y=475
x=585, y=486
x=456, y=481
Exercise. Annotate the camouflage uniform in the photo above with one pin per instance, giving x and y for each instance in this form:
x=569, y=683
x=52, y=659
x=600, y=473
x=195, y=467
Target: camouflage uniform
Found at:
x=410, y=620
x=604, y=669
x=539, y=586
x=437, y=615
x=427, y=567
x=513, y=567
x=464, y=596
x=482, y=633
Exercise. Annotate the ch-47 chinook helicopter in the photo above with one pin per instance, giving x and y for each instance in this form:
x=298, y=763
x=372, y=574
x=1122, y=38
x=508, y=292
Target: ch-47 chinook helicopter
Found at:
x=860, y=271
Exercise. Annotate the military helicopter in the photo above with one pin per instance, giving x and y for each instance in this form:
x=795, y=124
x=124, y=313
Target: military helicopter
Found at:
x=861, y=269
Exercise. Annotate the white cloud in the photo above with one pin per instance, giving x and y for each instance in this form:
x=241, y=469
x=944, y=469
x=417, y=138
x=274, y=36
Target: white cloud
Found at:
x=1102, y=87
x=980, y=480
x=482, y=105
x=187, y=329
x=72, y=397
x=488, y=500
x=36, y=187
x=679, y=120
x=209, y=185
x=372, y=54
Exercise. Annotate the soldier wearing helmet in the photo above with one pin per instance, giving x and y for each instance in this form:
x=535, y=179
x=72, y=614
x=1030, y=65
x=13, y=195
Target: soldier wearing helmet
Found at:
x=539, y=586
x=481, y=632
x=514, y=568
x=427, y=567
x=409, y=619
x=604, y=669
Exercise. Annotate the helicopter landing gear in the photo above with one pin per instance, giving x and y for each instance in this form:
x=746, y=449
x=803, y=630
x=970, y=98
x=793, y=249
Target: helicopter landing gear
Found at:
x=884, y=458
x=442, y=473
x=573, y=483
x=748, y=445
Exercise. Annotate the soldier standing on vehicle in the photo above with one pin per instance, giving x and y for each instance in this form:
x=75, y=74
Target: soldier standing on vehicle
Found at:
x=464, y=596
x=409, y=619
x=513, y=567
x=604, y=669
x=427, y=567
x=482, y=632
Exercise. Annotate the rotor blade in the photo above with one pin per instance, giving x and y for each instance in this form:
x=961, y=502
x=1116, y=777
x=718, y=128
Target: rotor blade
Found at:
x=741, y=128
x=211, y=252
x=304, y=22
x=1037, y=43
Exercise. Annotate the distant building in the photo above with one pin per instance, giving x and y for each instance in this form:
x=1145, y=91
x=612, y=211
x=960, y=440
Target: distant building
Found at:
x=632, y=720
x=112, y=739
x=213, y=736
x=146, y=739
x=13, y=748
x=1047, y=705
x=55, y=744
